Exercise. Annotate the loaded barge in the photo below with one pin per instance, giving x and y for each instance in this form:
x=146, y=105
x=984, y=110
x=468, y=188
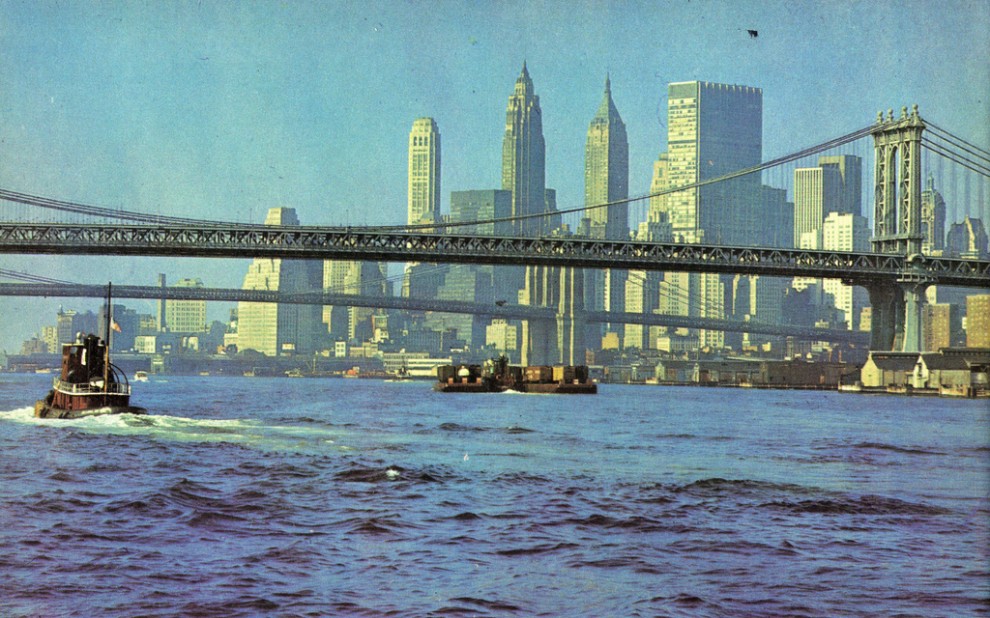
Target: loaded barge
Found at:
x=497, y=376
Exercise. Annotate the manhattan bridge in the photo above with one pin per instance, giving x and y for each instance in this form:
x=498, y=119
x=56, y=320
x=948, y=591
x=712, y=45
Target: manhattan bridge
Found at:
x=896, y=272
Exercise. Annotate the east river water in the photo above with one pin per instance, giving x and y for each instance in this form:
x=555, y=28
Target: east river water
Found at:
x=334, y=497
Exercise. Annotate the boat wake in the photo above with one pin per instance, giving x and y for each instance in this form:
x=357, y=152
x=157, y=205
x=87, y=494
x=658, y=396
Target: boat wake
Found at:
x=183, y=429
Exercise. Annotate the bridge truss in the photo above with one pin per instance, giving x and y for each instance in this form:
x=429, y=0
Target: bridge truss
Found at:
x=507, y=311
x=319, y=243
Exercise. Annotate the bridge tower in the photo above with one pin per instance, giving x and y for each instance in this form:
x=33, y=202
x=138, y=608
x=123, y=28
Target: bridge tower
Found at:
x=897, y=307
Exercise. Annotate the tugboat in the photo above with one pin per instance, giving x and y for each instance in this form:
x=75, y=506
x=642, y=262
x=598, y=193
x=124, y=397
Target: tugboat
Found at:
x=88, y=384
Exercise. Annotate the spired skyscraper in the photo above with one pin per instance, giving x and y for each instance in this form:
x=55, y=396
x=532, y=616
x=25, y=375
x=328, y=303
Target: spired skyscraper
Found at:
x=424, y=172
x=606, y=171
x=524, y=156
x=606, y=180
x=524, y=177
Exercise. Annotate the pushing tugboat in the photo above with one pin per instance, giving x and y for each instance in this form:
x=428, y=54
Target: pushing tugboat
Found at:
x=88, y=384
x=497, y=376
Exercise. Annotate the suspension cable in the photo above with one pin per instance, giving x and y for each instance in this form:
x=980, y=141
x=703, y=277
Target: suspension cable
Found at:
x=940, y=130
x=956, y=158
x=67, y=206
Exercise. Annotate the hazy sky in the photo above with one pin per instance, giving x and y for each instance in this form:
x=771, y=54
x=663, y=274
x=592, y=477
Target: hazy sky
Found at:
x=224, y=109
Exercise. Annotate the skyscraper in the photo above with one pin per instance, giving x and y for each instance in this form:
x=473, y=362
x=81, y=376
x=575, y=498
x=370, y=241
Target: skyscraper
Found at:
x=275, y=329
x=932, y=220
x=424, y=172
x=606, y=180
x=816, y=193
x=606, y=170
x=978, y=321
x=712, y=130
x=482, y=205
x=846, y=232
x=186, y=316
x=967, y=239
x=850, y=170
x=524, y=155
x=834, y=186
x=424, y=189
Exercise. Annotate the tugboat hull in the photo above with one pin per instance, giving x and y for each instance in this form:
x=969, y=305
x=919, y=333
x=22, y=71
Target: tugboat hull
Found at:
x=43, y=410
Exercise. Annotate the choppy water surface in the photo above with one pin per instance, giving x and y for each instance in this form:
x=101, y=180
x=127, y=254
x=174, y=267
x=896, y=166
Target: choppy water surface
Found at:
x=276, y=497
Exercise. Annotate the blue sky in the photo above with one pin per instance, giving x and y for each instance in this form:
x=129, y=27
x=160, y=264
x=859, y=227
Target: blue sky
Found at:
x=224, y=109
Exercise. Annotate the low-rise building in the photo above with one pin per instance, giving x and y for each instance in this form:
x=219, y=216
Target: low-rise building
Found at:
x=885, y=369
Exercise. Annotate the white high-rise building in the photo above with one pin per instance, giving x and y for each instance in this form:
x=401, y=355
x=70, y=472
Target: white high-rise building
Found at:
x=186, y=316
x=424, y=172
x=817, y=191
x=276, y=329
x=846, y=232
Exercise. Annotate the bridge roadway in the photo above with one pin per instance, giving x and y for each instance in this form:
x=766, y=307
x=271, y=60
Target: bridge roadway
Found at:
x=413, y=304
x=303, y=242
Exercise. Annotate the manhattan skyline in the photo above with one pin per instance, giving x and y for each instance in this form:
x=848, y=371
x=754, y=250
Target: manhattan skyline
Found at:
x=224, y=111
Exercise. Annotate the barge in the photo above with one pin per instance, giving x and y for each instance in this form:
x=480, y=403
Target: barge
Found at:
x=497, y=376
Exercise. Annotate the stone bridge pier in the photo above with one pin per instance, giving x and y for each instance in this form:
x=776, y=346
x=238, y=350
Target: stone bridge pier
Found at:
x=898, y=306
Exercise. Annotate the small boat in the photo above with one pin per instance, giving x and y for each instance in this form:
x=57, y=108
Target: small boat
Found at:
x=140, y=376
x=401, y=375
x=88, y=384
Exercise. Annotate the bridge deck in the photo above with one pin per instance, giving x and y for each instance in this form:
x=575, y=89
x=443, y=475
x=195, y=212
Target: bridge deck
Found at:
x=356, y=244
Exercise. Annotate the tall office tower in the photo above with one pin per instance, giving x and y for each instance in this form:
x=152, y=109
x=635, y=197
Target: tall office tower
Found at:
x=939, y=324
x=836, y=185
x=424, y=188
x=66, y=326
x=424, y=172
x=335, y=317
x=967, y=239
x=471, y=283
x=606, y=180
x=932, y=220
x=186, y=316
x=364, y=279
x=850, y=168
x=643, y=288
x=275, y=329
x=504, y=338
x=524, y=156
x=345, y=323
x=978, y=321
x=817, y=192
x=779, y=210
x=606, y=170
x=757, y=299
x=482, y=205
x=846, y=232
x=712, y=130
